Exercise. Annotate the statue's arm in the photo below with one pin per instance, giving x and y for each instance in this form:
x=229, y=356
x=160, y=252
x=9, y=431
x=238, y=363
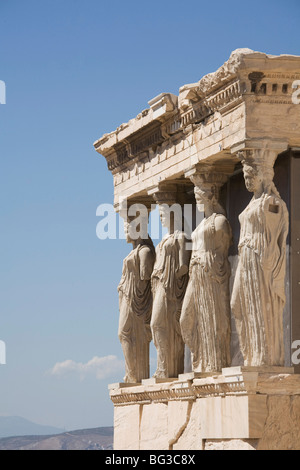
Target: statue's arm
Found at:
x=276, y=219
x=223, y=231
x=146, y=263
x=220, y=268
x=184, y=256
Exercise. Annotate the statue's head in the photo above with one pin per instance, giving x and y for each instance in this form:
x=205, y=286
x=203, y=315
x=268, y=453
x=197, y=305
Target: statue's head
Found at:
x=128, y=235
x=206, y=193
x=136, y=223
x=253, y=177
x=258, y=173
x=170, y=211
x=207, y=190
x=164, y=214
x=171, y=216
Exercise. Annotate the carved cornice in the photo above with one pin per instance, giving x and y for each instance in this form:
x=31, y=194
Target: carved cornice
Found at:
x=217, y=101
x=134, y=145
x=187, y=392
x=238, y=380
x=247, y=77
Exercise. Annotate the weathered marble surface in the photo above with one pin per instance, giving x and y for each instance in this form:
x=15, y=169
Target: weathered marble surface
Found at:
x=239, y=409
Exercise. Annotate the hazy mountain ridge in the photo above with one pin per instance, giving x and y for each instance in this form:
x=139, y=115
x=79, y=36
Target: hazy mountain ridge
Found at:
x=82, y=439
x=18, y=426
x=18, y=433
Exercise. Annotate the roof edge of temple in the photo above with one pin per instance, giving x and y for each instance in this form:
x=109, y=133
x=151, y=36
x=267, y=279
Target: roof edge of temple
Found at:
x=218, y=91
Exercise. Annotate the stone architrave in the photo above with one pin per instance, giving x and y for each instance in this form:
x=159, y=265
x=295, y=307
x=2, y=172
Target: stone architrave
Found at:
x=258, y=296
x=169, y=281
x=135, y=305
x=205, y=317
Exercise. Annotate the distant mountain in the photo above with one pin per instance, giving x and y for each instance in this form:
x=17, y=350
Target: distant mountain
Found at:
x=17, y=426
x=82, y=439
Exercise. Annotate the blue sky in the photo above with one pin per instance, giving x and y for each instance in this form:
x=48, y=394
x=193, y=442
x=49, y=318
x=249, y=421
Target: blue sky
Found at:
x=75, y=70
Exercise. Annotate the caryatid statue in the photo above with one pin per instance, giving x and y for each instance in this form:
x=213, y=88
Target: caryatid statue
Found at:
x=135, y=299
x=169, y=281
x=205, y=317
x=258, y=295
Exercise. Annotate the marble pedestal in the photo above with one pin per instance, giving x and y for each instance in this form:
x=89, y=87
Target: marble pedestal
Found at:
x=239, y=408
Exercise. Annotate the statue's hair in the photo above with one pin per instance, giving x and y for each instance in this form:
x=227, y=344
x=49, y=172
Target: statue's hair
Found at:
x=214, y=189
x=266, y=172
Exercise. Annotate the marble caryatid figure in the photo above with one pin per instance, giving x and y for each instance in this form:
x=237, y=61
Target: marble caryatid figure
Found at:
x=258, y=295
x=135, y=304
x=169, y=281
x=205, y=317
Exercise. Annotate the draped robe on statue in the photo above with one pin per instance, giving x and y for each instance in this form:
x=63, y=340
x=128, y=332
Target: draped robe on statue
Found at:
x=135, y=304
x=258, y=296
x=205, y=320
x=168, y=292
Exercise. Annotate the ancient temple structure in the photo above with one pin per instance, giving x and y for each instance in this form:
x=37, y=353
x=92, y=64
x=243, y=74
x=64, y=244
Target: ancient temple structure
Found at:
x=228, y=145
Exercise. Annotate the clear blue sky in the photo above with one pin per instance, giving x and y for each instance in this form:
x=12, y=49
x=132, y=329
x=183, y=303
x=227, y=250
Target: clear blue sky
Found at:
x=75, y=70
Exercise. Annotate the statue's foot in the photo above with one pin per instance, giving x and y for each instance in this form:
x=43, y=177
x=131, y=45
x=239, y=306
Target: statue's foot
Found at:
x=160, y=374
x=129, y=379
